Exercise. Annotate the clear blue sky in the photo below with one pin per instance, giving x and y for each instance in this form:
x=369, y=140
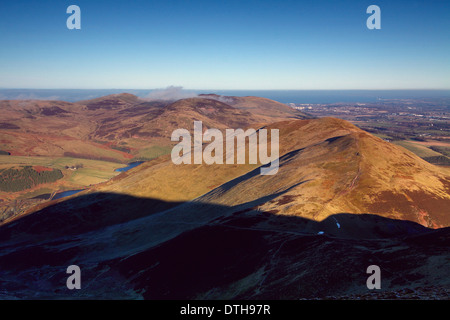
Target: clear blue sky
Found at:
x=225, y=44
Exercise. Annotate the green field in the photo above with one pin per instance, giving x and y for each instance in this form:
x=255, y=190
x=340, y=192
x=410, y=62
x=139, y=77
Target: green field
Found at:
x=93, y=171
x=35, y=193
x=444, y=150
x=152, y=152
x=419, y=150
x=382, y=136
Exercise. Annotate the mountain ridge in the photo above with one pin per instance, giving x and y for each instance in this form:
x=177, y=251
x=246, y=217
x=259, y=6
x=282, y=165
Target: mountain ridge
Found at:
x=342, y=169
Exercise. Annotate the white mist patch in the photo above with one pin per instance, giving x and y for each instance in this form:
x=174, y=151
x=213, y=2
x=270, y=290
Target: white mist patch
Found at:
x=170, y=93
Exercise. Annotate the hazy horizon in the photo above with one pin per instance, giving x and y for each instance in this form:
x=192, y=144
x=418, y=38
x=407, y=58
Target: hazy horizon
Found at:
x=172, y=92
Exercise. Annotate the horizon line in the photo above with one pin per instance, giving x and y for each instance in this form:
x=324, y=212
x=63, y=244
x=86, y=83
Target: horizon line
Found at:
x=199, y=89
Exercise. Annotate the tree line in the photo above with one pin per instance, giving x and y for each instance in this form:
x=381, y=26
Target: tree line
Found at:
x=13, y=180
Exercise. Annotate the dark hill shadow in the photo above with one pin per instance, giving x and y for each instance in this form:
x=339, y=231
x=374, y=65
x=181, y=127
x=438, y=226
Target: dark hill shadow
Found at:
x=129, y=248
x=83, y=214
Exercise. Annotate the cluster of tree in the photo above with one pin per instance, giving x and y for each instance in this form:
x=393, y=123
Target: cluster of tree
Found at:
x=4, y=153
x=13, y=180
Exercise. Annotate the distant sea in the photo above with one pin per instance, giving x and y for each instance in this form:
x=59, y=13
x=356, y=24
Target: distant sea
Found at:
x=284, y=96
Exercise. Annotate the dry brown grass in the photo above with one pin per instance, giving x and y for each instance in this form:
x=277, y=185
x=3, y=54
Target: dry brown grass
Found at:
x=329, y=166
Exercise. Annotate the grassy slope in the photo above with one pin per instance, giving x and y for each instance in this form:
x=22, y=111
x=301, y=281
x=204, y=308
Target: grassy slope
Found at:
x=418, y=149
x=353, y=172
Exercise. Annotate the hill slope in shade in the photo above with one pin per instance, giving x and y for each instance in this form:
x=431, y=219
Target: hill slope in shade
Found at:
x=192, y=251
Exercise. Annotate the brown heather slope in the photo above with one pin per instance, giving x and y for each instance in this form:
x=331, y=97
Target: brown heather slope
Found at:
x=51, y=128
x=260, y=106
x=112, y=101
x=183, y=113
x=159, y=125
x=352, y=172
x=327, y=166
x=161, y=179
x=127, y=116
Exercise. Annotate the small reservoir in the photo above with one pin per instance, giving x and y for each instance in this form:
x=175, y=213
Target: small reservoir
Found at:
x=130, y=166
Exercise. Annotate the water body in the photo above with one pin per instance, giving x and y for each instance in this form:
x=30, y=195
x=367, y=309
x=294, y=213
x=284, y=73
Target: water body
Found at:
x=284, y=96
x=66, y=194
x=59, y=195
x=335, y=96
x=130, y=166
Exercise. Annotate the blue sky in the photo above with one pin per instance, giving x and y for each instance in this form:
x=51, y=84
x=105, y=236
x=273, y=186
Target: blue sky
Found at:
x=227, y=44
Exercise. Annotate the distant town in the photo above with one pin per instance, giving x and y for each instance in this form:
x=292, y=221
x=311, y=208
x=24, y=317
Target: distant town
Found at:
x=392, y=119
x=421, y=126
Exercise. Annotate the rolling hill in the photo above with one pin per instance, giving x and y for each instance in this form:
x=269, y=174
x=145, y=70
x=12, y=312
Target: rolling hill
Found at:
x=342, y=200
x=104, y=132
x=327, y=166
x=117, y=127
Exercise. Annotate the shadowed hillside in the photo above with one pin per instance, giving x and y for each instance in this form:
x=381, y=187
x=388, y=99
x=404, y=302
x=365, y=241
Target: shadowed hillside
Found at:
x=128, y=248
